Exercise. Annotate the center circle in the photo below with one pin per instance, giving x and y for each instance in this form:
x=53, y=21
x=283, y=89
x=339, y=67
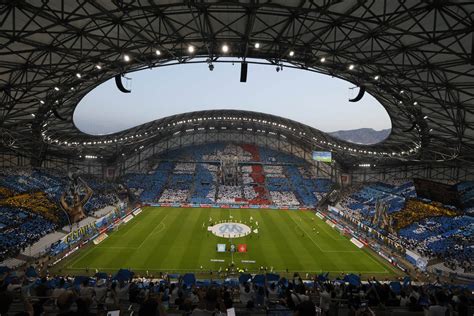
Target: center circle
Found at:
x=230, y=230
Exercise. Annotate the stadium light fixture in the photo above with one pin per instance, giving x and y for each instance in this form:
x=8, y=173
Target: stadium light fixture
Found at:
x=157, y=52
x=257, y=45
x=225, y=48
x=191, y=49
x=351, y=67
x=56, y=88
x=126, y=58
x=292, y=53
x=323, y=59
x=78, y=75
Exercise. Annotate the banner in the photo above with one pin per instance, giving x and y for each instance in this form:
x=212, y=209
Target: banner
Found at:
x=88, y=229
x=127, y=218
x=330, y=223
x=357, y=243
x=100, y=239
x=335, y=210
x=385, y=256
x=67, y=254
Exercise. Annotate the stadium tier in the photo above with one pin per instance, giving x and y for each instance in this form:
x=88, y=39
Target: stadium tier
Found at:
x=264, y=293
x=194, y=174
x=30, y=205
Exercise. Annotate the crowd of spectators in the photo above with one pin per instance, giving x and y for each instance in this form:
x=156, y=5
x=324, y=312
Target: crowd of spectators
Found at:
x=260, y=294
x=416, y=210
x=228, y=152
x=465, y=191
x=249, y=192
x=253, y=178
x=147, y=187
x=100, y=200
x=28, y=180
x=450, y=239
x=184, y=167
x=29, y=205
x=205, y=179
x=428, y=228
x=195, y=169
x=19, y=229
x=174, y=196
x=284, y=198
x=229, y=194
x=360, y=201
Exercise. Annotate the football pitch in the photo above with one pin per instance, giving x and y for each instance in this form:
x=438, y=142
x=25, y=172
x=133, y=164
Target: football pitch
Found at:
x=177, y=240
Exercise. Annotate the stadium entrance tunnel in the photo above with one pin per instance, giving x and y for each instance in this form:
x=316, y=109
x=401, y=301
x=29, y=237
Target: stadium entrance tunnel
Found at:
x=307, y=97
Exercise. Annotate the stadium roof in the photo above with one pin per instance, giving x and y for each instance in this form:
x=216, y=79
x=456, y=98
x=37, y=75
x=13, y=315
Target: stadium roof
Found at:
x=415, y=57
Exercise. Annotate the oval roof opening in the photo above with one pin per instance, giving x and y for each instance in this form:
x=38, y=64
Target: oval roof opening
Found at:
x=307, y=97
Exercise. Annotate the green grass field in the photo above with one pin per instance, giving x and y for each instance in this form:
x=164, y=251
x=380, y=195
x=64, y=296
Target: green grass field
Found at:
x=174, y=240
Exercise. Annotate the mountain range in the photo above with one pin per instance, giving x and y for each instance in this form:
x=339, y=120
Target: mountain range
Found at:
x=365, y=136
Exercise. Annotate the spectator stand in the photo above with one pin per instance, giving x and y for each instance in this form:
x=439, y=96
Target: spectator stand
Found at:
x=260, y=294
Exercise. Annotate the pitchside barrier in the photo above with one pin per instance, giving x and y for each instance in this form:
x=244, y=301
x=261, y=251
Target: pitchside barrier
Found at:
x=227, y=205
x=83, y=235
x=333, y=221
x=331, y=218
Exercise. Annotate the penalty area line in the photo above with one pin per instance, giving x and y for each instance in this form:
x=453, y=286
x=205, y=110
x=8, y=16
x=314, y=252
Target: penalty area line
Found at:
x=153, y=231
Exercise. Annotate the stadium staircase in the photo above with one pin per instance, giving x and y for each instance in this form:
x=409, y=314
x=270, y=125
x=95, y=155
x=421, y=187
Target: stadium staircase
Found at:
x=325, y=200
x=24, y=257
